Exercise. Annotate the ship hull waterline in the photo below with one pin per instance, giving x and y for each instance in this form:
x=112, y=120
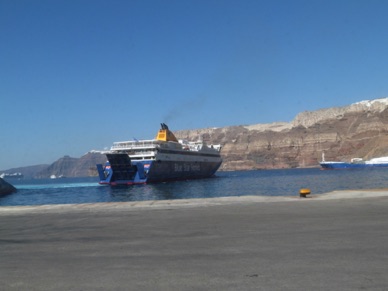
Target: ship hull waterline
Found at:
x=344, y=165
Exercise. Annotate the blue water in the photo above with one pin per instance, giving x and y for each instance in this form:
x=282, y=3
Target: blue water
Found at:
x=238, y=183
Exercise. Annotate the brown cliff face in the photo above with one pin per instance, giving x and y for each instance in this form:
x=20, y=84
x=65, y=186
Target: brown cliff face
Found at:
x=358, y=130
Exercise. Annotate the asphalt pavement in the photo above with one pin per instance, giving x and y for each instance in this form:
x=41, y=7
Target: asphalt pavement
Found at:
x=335, y=241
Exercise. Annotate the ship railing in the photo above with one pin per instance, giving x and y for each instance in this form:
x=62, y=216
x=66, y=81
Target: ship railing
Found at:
x=142, y=154
x=150, y=156
x=130, y=145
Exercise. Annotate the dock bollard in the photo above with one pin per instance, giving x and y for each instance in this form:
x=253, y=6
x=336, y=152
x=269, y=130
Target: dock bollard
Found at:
x=303, y=192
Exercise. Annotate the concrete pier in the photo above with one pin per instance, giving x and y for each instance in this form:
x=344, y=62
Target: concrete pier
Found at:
x=335, y=241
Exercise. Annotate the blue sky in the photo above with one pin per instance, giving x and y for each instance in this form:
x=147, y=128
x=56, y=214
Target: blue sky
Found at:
x=77, y=75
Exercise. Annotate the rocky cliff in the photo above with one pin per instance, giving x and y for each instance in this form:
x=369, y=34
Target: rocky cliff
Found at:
x=73, y=167
x=6, y=188
x=357, y=130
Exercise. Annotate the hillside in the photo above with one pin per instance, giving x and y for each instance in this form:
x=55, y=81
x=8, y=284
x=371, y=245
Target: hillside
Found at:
x=73, y=167
x=357, y=130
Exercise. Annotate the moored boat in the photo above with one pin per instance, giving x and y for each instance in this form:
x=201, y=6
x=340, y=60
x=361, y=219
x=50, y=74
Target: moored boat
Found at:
x=11, y=176
x=158, y=160
x=355, y=163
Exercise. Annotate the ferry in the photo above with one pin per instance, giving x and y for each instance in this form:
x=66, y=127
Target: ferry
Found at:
x=11, y=176
x=162, y=159
x=355, y=163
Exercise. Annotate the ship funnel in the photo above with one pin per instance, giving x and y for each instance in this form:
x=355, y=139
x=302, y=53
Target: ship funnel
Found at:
x=165, y=134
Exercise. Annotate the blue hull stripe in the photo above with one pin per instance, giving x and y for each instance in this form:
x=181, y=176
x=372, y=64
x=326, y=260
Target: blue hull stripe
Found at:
x=351, y=165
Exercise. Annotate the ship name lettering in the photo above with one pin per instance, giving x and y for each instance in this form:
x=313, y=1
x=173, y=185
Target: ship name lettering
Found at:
x=187, y=167
x=177, y=168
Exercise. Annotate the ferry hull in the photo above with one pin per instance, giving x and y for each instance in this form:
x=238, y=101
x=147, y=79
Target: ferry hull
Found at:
x=343, y=165
x=172, y=171
x=120, y=170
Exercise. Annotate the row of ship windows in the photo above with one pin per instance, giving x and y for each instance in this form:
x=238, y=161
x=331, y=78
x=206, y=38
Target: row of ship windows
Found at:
x=143, y=158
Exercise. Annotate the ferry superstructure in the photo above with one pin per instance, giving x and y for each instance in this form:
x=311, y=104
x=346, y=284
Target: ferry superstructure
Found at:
x=158, y=160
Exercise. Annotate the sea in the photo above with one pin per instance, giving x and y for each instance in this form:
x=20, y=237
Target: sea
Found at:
x=279, y=182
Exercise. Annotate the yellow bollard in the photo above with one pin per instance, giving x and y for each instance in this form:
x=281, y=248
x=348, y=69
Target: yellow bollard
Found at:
x=303, y=192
